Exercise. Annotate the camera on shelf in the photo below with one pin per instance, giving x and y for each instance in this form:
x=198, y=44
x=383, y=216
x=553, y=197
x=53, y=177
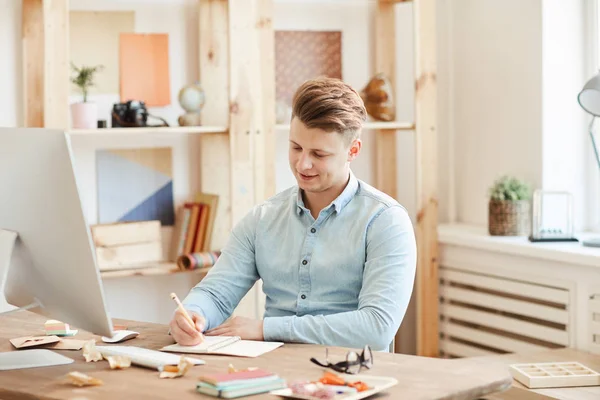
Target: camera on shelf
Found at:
x=132, y=114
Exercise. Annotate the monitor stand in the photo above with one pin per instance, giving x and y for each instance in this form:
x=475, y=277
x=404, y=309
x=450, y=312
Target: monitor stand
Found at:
x=22, y=358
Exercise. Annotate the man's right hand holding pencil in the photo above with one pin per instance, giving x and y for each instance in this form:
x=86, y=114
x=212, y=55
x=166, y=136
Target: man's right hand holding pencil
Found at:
x=186, y=327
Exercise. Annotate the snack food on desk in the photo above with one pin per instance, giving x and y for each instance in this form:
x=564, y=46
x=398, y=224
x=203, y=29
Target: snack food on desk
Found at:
x=171, y=371
x=90, y=352
x=58, y=328
x=118, y=362
x=240, y=383
x=78, y=379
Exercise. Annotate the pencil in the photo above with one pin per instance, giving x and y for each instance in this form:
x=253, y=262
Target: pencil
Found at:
x=183, y=310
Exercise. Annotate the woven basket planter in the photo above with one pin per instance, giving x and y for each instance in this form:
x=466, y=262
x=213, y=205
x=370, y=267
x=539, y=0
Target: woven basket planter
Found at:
x=509, y=217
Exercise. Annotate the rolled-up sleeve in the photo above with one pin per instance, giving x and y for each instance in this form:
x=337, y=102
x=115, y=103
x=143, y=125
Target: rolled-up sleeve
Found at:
x=388, y=279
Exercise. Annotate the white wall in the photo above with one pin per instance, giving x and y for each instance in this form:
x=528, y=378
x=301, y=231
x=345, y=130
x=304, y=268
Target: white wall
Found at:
x=11, y=96
x=496, y=98
x=509, y=76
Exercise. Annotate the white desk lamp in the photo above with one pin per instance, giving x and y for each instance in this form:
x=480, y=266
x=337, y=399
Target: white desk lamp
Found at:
x=589, y=100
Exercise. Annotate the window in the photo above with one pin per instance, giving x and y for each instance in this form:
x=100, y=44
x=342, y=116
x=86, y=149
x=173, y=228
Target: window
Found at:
x=593, y=176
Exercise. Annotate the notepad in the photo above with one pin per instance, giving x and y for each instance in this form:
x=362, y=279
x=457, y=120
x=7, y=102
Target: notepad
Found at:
x=226, y=345
x=241, y=383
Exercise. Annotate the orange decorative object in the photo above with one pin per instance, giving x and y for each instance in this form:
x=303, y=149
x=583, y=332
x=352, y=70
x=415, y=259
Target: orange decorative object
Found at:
x=329, y=378
x=358, y=385
x=144, y=68
x=378, y=98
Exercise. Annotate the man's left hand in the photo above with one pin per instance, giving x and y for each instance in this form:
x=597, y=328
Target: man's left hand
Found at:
x=245, y=328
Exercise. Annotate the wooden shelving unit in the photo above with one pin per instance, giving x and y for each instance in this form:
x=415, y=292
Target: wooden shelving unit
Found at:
x=393, y=126
x=152, y=270
x=150, y=131
x=236, y=50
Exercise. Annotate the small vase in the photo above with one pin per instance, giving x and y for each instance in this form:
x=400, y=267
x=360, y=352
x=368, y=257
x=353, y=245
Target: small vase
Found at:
x=84, y=115
x=509, y=217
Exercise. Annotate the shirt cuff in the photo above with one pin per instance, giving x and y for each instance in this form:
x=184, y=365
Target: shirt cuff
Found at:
x=277, y=329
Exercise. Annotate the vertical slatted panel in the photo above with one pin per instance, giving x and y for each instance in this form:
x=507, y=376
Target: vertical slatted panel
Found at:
x=594, y=323
x=215, y=160
x=482, y=314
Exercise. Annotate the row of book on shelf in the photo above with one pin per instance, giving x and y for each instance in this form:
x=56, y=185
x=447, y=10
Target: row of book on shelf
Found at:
x=192, y=235
x=137, y=244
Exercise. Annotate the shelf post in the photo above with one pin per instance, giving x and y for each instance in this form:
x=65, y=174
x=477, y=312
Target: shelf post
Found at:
x=427, y=282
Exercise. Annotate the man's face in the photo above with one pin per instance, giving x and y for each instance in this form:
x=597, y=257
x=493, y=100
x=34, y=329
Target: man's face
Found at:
x=319, y=159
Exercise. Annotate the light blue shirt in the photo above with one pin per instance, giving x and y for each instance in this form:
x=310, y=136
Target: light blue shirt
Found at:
x=344, y=279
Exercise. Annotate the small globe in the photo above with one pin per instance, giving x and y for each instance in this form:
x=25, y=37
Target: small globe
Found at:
x=191, y=97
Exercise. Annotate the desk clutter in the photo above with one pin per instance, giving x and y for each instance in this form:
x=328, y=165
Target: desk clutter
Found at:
x=553, y=375
x=230, y=383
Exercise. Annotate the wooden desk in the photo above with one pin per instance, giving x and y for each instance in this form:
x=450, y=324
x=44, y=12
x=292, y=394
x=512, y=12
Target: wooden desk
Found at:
x=419, y=377
x=520, y=392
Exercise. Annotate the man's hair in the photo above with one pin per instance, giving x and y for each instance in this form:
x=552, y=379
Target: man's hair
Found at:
x=331, y=105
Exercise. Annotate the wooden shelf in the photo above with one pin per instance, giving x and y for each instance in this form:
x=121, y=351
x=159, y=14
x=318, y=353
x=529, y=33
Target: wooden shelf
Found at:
x=152, y=270
x=167, y=130
x=379, y=125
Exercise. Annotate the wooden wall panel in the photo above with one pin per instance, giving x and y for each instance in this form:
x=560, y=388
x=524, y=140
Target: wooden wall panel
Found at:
x=426, y=166
x=45, y=40
x=215, y=172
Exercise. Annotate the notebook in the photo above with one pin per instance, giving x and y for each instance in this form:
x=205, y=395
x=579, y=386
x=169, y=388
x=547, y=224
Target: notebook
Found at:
x=241, y=390
x=241, y=383
x=226, y=345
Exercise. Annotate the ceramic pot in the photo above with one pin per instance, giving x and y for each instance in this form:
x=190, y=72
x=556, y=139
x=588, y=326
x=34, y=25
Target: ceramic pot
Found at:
x=84, y=115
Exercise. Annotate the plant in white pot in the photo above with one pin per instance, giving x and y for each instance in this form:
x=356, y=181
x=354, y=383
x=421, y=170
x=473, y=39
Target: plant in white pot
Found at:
x=509, y=207
x=84, y=115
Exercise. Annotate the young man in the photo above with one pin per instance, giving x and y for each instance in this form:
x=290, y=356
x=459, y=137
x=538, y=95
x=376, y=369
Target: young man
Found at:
x=336, y=256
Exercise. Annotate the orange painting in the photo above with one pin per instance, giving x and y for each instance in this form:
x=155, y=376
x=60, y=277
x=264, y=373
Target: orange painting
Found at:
x=144, y=66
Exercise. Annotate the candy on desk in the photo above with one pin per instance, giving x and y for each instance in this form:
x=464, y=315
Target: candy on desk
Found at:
x=90, y=352
x=118, y=362
x=172, y=371
x=76, y=378
x=58, y=328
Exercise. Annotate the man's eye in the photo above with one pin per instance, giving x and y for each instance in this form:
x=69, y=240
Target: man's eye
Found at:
x=319, y=155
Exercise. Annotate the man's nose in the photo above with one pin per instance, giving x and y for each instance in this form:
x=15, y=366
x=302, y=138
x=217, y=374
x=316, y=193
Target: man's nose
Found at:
x=304, y=162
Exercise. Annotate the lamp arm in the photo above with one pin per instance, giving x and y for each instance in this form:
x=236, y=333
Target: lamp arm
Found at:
x=594, y=146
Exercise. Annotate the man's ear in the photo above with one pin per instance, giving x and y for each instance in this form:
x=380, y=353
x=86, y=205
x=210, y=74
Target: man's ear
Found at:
x=354, y=150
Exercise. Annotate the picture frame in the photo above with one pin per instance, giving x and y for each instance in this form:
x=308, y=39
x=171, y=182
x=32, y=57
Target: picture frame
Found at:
x=552, y=217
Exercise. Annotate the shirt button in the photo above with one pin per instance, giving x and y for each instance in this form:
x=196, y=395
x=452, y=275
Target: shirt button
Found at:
x=304, y=262
x=303, y=297
x=313, y=230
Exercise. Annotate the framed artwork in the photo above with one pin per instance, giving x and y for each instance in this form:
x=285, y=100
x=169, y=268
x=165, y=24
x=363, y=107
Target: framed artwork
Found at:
x=144, y=66
x=302, y=55
x=135, y=185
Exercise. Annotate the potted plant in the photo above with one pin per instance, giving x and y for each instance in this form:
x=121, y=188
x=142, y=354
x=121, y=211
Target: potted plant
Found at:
x=84, y=114
x=509, y=207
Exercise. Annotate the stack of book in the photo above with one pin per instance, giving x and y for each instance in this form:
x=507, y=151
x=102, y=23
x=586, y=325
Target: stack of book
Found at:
x=238, y=384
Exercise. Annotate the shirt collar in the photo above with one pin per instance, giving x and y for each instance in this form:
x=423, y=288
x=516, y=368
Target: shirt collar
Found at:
x=339, y=203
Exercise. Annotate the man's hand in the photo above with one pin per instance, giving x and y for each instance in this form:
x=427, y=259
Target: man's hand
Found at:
x=245, y=328
x=183, y=332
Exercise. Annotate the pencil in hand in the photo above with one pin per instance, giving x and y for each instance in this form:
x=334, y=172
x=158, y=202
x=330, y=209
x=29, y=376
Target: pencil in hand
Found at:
x=184, y=311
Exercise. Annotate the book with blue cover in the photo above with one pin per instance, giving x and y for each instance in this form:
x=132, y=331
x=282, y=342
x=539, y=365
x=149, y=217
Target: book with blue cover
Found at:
x=238, y=384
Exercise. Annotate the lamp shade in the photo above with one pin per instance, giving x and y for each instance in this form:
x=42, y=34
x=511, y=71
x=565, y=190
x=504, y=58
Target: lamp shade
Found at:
x=589, y=97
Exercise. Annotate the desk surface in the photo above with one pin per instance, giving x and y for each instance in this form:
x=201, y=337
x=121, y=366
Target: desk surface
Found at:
x=419, y=377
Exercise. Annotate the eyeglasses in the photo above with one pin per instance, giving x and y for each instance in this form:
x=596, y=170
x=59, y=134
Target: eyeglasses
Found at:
x=353, y=364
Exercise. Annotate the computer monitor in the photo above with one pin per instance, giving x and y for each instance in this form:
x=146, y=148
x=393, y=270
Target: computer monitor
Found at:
x=52, y=266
